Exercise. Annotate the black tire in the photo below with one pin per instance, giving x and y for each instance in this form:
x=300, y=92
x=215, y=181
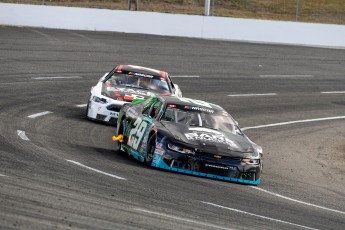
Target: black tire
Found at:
x=121, y=130
x=150, y=149
x=119, y=146
x=87, y=110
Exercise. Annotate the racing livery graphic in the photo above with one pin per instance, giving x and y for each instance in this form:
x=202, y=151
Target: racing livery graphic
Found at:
x=188, y=136
x=124, y=84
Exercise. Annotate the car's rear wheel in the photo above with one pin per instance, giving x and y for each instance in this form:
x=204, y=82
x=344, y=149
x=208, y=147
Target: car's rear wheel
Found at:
x=150, y=149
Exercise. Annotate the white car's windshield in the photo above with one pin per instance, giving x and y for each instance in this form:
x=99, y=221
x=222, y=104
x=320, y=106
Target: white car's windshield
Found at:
x=141, y=82
x=217, y=120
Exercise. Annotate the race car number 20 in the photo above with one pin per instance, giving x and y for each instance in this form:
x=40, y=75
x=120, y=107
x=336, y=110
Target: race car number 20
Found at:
x=136, y=133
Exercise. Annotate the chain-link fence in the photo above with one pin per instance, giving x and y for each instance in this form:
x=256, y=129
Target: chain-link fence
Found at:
x=323, y=11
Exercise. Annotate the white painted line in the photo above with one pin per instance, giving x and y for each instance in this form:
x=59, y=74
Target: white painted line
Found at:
x=183, y=219
x=82, y=105
x=260, y=216
x=287, y=76
x=22, y=135
x=294, y=122
x=3, y=175
x=333, y=92
x=297, y=201
x=39, y=114
x=185, y=76
x=96, y=170
x=59, y=77
x=10, y=83
x=252, y=94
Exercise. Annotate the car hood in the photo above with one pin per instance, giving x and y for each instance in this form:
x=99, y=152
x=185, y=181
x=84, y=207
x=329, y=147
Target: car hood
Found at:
x=122, y=93
x=213, y=141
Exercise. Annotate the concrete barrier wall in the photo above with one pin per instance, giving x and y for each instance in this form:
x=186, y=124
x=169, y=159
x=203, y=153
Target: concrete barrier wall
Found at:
x=173, y=25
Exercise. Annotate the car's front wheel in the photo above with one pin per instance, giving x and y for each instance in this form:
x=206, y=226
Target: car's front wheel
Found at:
x=87, y=110
x=121, y=130
x=150, y=149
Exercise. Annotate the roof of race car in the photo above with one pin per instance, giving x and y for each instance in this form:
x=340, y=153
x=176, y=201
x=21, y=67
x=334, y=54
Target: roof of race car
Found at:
x=141, y=69
x=173, y=100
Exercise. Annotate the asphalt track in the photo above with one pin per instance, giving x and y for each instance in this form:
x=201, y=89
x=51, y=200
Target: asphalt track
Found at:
x=60, y=171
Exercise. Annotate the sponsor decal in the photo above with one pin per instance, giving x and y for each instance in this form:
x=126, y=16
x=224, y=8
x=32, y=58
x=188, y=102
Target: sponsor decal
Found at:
x=143, y=145
x=211, y=137
x=201, y=129
x=193, y=101
x=217, y=166
x=136, y=91
x=132, y=97
x=172, y=106
x=159, y=151
x=143, y=75
x=128, y=97
x=115, y=114
x=130, y=91
x=220, y=167
x=199, y=109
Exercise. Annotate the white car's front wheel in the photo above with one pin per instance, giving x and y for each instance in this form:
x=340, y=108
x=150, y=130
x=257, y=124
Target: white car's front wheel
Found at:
x=87, y=111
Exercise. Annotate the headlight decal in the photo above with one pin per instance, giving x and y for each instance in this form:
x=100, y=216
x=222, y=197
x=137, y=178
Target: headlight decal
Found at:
x=250, y=161
x=180, y=149
x=99, y=100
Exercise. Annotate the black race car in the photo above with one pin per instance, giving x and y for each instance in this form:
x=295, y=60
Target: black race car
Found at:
x=123, y=84
x=188, y=136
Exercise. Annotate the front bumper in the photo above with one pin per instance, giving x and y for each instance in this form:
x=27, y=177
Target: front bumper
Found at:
x=205, y=167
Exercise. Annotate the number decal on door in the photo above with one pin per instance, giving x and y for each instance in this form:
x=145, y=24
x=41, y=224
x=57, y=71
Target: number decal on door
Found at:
x=136, y=133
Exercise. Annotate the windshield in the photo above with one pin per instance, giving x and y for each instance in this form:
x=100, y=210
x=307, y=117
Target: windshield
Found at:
x=218, y=120
x=147, y=82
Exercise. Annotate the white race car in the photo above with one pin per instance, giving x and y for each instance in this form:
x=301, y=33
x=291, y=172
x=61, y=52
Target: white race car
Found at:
x=124, y=84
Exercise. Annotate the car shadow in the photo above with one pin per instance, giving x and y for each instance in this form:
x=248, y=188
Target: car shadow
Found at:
x=111, y=155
